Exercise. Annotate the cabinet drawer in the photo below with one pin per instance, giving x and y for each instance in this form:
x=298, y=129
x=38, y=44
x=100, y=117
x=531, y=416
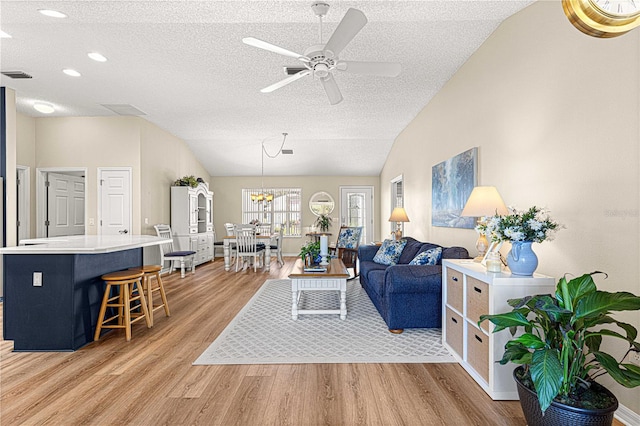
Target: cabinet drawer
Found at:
x=454, y=289
x=202, y=239
x=478, y=351
x=477, y=300
x=454, y=331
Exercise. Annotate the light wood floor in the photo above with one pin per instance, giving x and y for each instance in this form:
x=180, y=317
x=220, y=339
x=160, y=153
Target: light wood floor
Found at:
x=150, y=380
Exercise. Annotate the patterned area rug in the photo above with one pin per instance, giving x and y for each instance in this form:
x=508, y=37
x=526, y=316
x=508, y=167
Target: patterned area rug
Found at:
x=263, y=332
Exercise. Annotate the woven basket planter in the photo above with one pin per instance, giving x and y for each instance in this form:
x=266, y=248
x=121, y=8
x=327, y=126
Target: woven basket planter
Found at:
x=560, y=414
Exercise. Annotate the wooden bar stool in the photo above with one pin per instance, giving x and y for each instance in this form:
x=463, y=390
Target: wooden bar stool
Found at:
x=150, y=271
x=126, y=282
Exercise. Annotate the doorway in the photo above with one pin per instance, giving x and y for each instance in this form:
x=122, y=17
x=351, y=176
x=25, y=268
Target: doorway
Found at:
x=60, y=202
x=114, y=200
x=23, y=214
x=356, y=209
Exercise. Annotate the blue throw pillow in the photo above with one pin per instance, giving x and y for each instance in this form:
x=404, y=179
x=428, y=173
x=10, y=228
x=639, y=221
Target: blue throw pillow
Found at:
x=427, y=257
x=389, y=252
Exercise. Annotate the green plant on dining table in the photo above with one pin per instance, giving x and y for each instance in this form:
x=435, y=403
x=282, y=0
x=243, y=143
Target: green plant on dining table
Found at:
x=561, y=347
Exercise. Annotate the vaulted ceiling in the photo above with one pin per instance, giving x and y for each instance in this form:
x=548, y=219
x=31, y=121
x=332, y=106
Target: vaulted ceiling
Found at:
x=183, y=64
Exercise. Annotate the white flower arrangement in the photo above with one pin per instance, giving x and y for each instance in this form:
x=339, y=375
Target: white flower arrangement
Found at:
x=533, y=225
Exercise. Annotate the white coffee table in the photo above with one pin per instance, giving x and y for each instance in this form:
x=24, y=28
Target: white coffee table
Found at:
x=334, y=279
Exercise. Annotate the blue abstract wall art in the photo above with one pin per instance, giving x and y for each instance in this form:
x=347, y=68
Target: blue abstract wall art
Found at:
x=451, y=184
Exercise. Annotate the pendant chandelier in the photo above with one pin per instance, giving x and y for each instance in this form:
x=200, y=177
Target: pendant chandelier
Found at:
x=264, y=197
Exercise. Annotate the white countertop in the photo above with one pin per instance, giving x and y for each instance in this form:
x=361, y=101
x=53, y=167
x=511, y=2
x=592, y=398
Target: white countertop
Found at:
x=83, y=244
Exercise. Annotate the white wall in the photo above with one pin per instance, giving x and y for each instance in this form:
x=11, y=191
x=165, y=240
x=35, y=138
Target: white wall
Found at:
x=92, y=142
x=164, y=158
x=556, y=117
x=26, y=156
x=156, y=157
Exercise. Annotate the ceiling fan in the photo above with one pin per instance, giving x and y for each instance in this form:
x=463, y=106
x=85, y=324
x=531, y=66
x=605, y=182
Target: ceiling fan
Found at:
x=321, y=60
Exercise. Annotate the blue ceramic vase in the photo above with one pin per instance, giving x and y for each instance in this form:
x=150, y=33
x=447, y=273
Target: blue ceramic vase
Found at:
x=521, y=258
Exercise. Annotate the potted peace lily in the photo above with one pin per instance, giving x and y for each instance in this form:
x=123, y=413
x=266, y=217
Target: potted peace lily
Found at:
x=560, y=352
x=323, y=222
x=521, y=229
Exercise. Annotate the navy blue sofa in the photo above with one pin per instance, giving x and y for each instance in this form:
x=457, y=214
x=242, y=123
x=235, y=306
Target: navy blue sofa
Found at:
x=407, y=296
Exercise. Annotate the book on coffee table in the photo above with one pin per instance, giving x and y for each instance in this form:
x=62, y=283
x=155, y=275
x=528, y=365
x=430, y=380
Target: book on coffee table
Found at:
x=315, y=269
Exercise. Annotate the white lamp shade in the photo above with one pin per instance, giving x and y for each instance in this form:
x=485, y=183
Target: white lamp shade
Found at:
x=399, y=215
x=484, y=201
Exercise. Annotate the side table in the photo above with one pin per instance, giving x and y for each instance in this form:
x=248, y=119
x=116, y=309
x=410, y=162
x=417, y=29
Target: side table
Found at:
x=469, y=291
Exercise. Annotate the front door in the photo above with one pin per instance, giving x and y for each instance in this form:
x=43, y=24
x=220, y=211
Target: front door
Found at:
x=115, y=201
x=65, y=205
x=356, y=209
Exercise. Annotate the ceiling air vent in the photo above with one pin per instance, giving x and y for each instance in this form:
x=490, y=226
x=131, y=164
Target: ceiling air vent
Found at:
x=16, y=74
x=124, y=109
x=293, y=70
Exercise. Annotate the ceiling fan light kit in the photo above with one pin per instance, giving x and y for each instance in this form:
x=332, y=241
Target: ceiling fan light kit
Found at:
x=321, y=60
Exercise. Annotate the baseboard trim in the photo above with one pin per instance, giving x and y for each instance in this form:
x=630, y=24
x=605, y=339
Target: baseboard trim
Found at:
x=627, y=416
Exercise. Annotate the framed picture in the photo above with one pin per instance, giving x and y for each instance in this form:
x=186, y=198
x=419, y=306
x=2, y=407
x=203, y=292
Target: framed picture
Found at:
x=451, y=184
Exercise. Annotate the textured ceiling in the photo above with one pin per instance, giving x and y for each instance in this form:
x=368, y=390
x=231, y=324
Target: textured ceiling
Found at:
x=183, y=64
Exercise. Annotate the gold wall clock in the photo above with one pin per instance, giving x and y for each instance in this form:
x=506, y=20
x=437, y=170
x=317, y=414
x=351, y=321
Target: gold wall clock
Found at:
x=603, y=18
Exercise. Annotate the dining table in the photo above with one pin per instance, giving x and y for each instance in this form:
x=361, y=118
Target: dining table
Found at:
x=266, y=239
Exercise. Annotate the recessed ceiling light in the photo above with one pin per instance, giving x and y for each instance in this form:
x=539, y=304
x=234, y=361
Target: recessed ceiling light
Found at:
x=4, y=35
x=72, y=73
x=43, y=107
x=97, y=57
x=52, y=13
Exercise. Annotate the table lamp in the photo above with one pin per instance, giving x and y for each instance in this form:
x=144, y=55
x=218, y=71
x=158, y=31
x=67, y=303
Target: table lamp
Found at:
x=483, y=201
x=398, y=215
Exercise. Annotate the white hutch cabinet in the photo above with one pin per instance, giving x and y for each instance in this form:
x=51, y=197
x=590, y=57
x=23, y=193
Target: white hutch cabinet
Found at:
x=192, y=220
x=469, y=291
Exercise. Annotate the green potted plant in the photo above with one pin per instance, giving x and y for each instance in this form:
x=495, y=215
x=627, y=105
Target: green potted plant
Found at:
x=186, y=181
x=323, y=222
x=312, y=249
x=560, y=353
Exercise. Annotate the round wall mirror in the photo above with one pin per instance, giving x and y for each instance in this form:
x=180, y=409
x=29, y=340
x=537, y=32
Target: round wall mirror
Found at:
x=321, y=203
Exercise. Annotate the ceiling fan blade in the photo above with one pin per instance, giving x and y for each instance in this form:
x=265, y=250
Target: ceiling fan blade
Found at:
x=286, y=81
x=251, y=41
x=353, y=21
x=332, y=90
x=385, y=69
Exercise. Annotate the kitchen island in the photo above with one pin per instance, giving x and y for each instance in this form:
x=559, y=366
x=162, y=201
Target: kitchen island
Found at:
x=52, y=287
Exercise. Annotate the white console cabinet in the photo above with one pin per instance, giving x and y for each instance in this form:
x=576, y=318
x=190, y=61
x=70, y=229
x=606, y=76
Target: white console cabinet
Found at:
x=192, y=220
x=469, y=291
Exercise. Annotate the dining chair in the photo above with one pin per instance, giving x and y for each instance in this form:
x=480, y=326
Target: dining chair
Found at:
x=230, y=228
x=247, y=245
x=167, y=252
x=217, y=244
x=277, y=247
x=263, y=229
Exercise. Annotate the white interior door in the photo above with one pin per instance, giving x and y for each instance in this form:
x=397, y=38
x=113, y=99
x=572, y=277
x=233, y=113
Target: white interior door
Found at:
x=24, y=203
x=115, y=201
x=65, y=205
x=356, y=209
